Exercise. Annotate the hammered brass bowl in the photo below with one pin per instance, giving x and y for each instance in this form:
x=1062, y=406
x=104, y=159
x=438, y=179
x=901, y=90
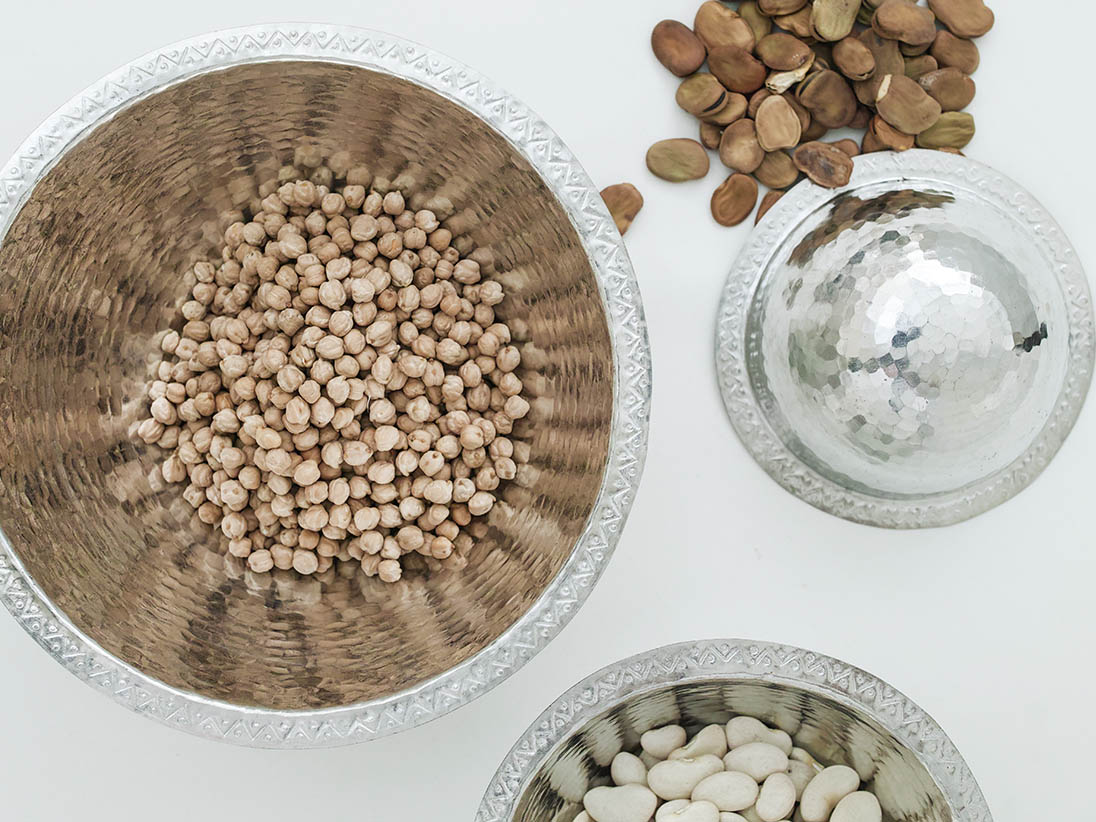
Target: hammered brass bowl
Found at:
x=102, y=211
x=840, y=714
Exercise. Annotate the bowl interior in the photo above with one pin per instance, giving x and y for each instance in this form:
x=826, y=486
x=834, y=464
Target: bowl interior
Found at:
x=909, y=338
x=91, y=269
x=832, y=732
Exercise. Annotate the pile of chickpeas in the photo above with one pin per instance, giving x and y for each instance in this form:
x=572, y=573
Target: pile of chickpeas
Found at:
x=337, y=386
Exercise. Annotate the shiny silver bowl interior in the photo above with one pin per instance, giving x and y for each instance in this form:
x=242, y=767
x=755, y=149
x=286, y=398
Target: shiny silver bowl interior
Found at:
x=103, y=210
x=910, y=350
x=838, y=713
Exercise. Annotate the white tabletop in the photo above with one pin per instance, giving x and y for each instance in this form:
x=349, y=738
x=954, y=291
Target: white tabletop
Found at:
x=988, y=625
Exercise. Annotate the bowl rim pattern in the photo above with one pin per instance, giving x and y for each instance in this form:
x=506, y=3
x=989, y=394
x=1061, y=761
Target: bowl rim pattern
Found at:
x=579, y=198
x=749, y=419
x=736, y=659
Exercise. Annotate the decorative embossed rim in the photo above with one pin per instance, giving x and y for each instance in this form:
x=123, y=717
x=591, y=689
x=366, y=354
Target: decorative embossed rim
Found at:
x=822, y=492
x=735, y=659
x=631, y=386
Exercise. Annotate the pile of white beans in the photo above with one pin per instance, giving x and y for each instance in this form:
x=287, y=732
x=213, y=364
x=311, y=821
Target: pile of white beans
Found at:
x=742, y=772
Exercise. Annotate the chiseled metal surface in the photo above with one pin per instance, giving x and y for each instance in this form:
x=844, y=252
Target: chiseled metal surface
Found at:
x=101, y=211
x=908, y=351
x=838, y=713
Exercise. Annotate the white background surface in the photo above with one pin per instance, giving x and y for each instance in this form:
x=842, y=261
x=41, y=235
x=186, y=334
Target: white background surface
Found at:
x=988, y=625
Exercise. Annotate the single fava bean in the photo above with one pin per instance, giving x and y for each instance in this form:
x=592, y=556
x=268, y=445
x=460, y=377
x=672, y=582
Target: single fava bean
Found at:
x=861, y=806
x=951, y=88
x=759, y=760
x=953, y=130
x=833, y=19
x=583, y=817
x=767, y=202
x=826, y=165
x=734, y=199
x=745, y=729
x=709, y=740
x=854, y=59
x=964, y=18
x=728, y=791
x=701, y=95
x=661, y=742
x=694, y=812
x=676, y=778
x=628, y=769
x=677, y=47
x=956, y=52
x=624, y=202
x=628, y=803
x=739, y=148
x=776, y=799
x=737, y=69
x=716, y=25
x=777, y=170
x=906, y=22
x=759, y=22
x=823, y=792
x=904, y=104
x=728, y=816
x=678, y=160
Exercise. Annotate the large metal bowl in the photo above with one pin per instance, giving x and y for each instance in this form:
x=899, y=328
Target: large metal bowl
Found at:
x=101, y=211
x=840, y=714
x=910, y=350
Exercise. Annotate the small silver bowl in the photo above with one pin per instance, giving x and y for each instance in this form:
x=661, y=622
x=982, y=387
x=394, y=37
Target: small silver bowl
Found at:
x=908, y=351
x=101, y=212
x=838, y=713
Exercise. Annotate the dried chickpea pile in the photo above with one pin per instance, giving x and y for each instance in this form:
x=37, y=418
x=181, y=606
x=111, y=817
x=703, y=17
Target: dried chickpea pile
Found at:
x=337, y=386
x=781, y=74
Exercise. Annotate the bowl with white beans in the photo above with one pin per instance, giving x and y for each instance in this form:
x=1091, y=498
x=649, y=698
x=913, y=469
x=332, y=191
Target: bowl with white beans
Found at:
x=733, y=731
x=324, y=387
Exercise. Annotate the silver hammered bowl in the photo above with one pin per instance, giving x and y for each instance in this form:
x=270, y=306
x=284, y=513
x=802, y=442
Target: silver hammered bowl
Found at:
x=910, y=350
x=838, y=713
x=104, y=208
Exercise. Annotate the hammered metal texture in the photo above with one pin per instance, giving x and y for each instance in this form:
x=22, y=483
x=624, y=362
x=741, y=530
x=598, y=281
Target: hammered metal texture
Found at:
x=911, y=350
x=839, y=713
x=102, y=211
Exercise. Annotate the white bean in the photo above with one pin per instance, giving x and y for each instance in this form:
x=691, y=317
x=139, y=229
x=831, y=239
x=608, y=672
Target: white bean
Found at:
x=827, y=789
x=777, y=798
x=801, y=774
x=800, y=755
x=709, y=740
x=671, y=807
x=743, y=730
x=728, y=791
x=628, y=803
x=758, y=759
x=660, y=742
x=861, y=806
x=742, y=772
x=676, y=778
x=628, y=769
x=694, y=812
